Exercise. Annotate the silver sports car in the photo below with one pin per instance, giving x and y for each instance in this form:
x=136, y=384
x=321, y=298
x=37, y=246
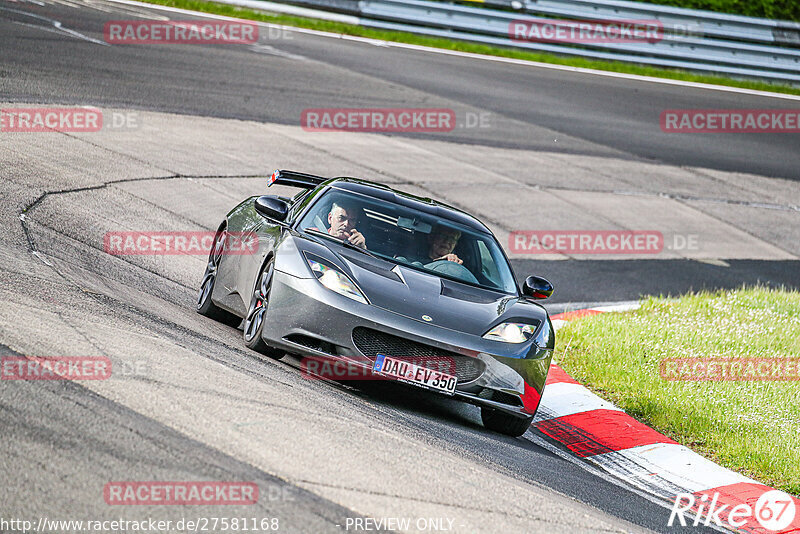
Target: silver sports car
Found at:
x=395, y=286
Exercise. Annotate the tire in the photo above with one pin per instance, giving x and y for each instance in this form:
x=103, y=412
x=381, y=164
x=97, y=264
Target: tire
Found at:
x=504, y=423
x=257, y=312
x=204, y=304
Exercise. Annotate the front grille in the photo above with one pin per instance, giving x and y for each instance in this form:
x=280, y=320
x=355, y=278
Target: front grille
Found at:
x=501, y=396
x=373, y=342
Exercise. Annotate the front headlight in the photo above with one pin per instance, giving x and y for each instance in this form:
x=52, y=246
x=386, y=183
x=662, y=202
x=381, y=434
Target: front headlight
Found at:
x=511, y=332
x=335, y=280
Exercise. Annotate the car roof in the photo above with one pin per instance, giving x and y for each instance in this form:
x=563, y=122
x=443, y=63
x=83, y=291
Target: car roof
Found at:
x=424, y=204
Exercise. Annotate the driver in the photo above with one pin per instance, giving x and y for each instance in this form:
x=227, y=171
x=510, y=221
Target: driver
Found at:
x=342, y=220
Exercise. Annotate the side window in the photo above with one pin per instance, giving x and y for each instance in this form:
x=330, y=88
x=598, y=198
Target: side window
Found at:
x=488, y=268
x=320, y=217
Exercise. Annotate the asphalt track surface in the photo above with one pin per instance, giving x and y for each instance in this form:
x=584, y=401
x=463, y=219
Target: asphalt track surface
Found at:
x=595, y=115
x=207, y=408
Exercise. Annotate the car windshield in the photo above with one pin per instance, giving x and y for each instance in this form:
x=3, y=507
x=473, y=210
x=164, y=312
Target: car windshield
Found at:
x=410, y=237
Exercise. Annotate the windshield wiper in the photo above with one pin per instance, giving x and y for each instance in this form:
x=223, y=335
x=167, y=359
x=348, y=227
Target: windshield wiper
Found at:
x=342, y=242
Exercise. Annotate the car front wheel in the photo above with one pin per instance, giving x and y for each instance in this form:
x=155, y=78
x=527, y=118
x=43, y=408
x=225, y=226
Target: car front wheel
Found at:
x=257, y=311
x=504, y=423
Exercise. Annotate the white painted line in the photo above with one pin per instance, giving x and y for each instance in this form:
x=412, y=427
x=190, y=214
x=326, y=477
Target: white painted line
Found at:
x=562, y=399
x=59, y=28
x=262, y=48
x=513, y=61
x=604, y=308
x=674, y=463
x=618, y=307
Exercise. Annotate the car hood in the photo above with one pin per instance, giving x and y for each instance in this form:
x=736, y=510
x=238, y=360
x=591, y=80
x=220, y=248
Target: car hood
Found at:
x=434, y=300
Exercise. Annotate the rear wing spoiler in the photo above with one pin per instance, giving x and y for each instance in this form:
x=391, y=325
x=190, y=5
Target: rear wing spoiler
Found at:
x=295, y=179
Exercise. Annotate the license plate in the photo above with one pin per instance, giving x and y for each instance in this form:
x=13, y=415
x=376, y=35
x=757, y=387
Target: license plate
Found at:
x=411, y=373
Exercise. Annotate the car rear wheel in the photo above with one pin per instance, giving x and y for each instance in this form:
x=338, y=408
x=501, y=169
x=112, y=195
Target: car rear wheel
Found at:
x=257, y=311
x=504, y=423
x=204, y=304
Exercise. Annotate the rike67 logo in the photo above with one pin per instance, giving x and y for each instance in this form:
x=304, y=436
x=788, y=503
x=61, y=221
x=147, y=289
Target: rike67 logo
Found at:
x=774, y=511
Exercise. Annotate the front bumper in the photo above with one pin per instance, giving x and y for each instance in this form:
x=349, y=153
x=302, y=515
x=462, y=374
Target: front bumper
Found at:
x=307, y=319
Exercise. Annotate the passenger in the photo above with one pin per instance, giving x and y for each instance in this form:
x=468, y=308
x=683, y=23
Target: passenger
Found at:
x=441, y=242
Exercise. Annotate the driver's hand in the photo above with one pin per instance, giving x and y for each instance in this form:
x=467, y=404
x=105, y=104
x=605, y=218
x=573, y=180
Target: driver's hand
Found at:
x=450, y=257
x=357, y=239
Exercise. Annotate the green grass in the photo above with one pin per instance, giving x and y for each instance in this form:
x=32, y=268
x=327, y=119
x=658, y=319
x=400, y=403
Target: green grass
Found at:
x=752, y=427
x=463, y=46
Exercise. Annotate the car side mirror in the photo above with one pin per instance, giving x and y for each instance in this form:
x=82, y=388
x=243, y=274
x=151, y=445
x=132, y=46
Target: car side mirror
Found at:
x=272, y=207
x=537, y=287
